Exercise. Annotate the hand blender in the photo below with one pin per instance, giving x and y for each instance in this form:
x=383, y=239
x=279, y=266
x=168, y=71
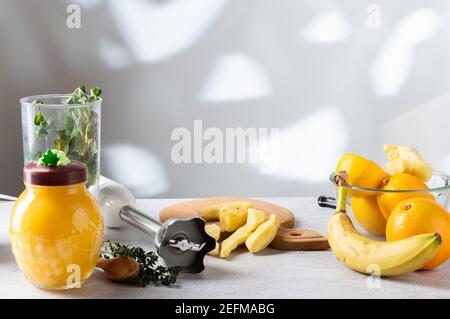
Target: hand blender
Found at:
x=181, y=243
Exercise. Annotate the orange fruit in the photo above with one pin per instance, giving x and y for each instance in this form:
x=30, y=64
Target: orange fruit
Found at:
x=400, y=181
x=361, y=172
x=368, y=215
x=420, y=216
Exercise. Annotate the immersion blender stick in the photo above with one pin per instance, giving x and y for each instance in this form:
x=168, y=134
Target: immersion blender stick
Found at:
x=181, y=243
x=142, y=222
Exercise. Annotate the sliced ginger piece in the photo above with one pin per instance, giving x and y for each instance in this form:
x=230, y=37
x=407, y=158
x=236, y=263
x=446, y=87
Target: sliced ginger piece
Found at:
x=263, y=235
x=405, y=159
x=233, y=216
x=213, y=230
x=211, y=213
x=254, y=219
x=234, y=241
x=215, y=251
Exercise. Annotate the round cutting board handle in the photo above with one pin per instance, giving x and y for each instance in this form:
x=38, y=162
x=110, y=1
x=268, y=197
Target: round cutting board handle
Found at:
x=299, y=239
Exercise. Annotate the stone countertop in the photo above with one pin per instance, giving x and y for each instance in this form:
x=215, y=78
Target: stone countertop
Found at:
x=270, y=274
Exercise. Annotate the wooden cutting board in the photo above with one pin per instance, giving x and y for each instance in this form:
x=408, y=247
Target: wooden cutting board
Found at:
x=287, y=237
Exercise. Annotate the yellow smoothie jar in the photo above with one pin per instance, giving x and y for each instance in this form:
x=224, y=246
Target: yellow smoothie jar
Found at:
x=56, y=229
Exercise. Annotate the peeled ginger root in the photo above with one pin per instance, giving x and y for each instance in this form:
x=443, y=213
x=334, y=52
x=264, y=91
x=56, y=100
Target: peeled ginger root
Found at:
x=213, y=230
x=263, y=235
x=405, y=159
x=254, y=219
x=233, y=215
x=211, y=213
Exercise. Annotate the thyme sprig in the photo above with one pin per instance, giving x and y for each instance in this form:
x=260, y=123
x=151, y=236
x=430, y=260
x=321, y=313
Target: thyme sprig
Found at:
x=81, y=96
x=151, y=271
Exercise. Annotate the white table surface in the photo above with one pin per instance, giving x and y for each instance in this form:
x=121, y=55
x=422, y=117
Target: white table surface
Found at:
x=271, y=274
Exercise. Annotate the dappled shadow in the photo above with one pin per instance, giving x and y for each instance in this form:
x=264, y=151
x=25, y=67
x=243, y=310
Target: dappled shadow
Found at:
x=152, y=80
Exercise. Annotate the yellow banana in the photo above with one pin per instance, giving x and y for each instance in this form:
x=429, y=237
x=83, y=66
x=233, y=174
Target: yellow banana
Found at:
x=369, y=256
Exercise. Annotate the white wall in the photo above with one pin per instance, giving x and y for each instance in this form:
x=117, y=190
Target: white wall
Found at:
x=313, y=69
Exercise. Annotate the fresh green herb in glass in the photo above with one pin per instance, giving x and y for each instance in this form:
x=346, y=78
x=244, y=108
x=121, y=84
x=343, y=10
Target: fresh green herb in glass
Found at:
x=40, y=121
x=77, y=138
x=150, y=270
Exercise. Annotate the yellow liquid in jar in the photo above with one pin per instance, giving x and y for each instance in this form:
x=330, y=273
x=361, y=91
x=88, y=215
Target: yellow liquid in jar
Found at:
x=56, y=233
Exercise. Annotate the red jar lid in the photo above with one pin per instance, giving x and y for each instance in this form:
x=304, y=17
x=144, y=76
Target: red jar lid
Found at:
x=73, y=173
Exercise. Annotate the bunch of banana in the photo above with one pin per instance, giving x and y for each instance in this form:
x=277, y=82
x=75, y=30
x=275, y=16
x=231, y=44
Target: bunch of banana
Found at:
x=365, y=255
